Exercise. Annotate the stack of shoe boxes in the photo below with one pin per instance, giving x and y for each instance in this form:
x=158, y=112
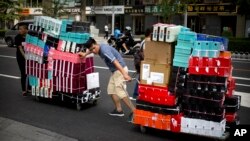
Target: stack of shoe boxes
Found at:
x=156, y=106
x=52, y=62
x=203, y=102
x=192, y=93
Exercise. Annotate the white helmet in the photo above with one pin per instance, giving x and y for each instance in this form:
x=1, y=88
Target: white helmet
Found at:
x=128, y=28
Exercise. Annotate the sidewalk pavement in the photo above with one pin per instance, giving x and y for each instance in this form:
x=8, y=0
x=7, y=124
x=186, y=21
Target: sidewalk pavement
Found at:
x=11, y=130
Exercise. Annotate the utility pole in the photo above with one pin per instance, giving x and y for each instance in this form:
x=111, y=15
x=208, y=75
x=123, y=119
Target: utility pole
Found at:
x=185, y=16
x=83, y=10
x=113, y=19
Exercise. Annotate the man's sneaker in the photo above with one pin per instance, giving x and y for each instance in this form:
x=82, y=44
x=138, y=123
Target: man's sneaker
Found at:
x=132, y=98
x=131, y=117
x=127, y=52
x=116, y=113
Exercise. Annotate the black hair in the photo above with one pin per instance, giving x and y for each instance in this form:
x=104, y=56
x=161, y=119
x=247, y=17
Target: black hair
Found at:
x=89, y=43
x=147, y=32
x=24, y=26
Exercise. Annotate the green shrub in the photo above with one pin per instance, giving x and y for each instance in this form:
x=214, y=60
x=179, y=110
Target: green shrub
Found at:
x=227, y=34
x=239, y=44
x=2, y=33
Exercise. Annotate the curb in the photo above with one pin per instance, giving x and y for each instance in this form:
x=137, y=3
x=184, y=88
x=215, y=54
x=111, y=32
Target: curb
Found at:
x=14, y=130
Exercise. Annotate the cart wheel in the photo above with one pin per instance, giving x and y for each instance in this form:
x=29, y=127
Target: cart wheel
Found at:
x=143, y=129
x=78, y=106
x=94, y=102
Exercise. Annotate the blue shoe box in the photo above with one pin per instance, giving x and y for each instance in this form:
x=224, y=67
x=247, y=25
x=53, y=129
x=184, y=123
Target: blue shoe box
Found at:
x=182, y=50
x=187, y=36
x=178, y=63
x=181, y=57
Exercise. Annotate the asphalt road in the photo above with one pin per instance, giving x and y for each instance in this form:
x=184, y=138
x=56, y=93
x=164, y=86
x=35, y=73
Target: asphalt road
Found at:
x=92, y=123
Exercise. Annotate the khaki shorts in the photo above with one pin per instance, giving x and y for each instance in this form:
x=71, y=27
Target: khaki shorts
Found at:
x=117, y=85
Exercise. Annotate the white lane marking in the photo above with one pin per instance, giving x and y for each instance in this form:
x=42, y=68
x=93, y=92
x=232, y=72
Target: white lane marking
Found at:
x=245, y=98
x=244, y=85
x=240, y=60
x=10, y=76
x=241, y=78
x=5, y=56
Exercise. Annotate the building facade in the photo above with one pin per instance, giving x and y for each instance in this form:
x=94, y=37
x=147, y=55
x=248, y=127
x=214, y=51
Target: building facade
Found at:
x=30, y=8
x=205, y=16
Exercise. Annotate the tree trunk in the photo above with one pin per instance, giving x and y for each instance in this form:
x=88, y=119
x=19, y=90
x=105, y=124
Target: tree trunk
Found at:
x=83, y=10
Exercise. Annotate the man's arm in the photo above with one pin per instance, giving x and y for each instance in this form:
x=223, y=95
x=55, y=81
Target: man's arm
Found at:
x=21, y=50
x=121, y=69
x=84, y=54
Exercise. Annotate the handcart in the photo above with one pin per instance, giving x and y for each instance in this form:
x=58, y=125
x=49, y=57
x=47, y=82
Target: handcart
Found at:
x=53, y=66
x=88, y=96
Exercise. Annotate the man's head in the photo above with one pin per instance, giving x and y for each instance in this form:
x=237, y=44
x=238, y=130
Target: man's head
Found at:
x=92, y=46
x=148, y=32
x=23, y=29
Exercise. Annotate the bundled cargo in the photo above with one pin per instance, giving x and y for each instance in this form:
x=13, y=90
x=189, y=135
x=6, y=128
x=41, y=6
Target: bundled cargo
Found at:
x=190, y=83
x=53, y=65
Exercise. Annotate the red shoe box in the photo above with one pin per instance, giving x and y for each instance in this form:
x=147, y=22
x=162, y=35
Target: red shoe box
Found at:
x=231, y=117
x=36, y=69
x=73, y=85
x=230, y=87
x=210, y=66
x=156, y=95
x=194, y=61
x=176, y=123
x=154, y=120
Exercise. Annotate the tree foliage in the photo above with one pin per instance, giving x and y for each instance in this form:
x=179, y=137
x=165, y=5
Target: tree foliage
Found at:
x=54, y=8
x=9, y=9
x=244, y=6
x=169, y=8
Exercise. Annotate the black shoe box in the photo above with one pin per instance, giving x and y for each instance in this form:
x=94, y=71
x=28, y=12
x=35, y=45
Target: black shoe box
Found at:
x=51, y=41
x=156, y=108
x=232, y=104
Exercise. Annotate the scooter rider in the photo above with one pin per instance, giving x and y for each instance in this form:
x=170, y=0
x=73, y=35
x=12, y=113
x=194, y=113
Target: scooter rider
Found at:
x=127, y=40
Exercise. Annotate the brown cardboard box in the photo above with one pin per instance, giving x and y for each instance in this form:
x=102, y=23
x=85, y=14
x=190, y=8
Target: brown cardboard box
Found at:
x=154, y=73
x=159, y=52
